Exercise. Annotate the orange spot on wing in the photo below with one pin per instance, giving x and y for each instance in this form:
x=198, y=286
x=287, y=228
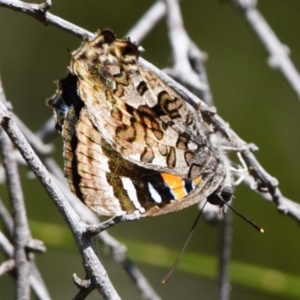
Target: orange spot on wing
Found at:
x=176, y=185
x=196, y=181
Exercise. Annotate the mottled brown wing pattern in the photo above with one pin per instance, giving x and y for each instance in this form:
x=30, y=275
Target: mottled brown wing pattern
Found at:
x=130, y=142
x=146, y=124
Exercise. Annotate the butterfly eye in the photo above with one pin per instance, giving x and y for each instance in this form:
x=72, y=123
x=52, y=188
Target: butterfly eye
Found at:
x=221, y=195
x=226, y=193
x=107, y=36
x=125, y=51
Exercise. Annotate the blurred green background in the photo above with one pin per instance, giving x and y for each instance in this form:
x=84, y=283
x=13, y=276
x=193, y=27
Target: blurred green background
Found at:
x=255, y=100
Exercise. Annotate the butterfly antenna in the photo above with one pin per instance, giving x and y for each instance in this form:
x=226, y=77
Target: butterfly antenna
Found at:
x=258, y=228
x=173, y=268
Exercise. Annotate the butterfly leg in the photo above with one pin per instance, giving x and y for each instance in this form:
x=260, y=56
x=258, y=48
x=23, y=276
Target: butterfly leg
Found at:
x=240, y=172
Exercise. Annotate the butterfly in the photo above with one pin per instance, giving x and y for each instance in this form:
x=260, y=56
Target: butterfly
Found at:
x=131, y=143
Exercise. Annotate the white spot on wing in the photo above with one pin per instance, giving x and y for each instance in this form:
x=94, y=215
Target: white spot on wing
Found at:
x=154, y=194
x=131, y=191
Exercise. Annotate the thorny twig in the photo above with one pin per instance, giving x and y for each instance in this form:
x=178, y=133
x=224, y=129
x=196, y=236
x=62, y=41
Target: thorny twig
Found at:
x=147, y=22
x=7, y=266
x=188, y=59
x=6, y=219
x=180, y=44
x=36, y=282
x=18, y=229
x=21, y=232
x=279, y=53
